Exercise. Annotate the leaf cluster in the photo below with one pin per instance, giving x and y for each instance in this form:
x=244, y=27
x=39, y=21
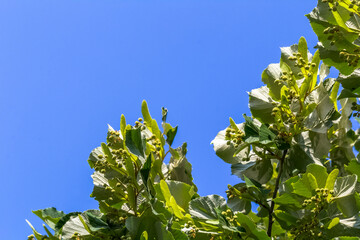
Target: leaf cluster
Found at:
x=296, y=157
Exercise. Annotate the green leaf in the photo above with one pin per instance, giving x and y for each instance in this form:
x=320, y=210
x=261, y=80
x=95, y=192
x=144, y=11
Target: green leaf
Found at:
x=50, y=216
x=354, y=168
x=251, y=229
x=170, y=135
x=333, y=95
x=285, y=219
x=347, y=205
x=239, y=205
x=319, y=172
x=287, y=52
x=321, y=20
x=305, y=186
x=36, y=233
x=122, y=125
x=94, y=156
x=145, y=112
x=145, y=170
x=330, y=181
x=303, y=49
x=288, y=199
x=170, y=200
x=74, y=225
x=228, y=152
x=251, y=129
x=144, y=236
x=182, y=193
x=308, y=146
x=333, y=222
x=260, y=104
x=346, y=227
x=136, y=142
x=151, y=224
x=269, y=75
x=266, y=136
x=259, y=170
x=345, y=186
x=107, y=153
x=205, y=207
x=179, y=167
x=60, y=224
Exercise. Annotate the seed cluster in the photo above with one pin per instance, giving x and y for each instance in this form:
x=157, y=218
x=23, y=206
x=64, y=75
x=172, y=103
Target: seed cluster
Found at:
x=232, y=192
x=352, y=59
x=284, y=114
x=355, y=107
x=193, y=228
x=156, y=143
x=229, y=216
x=102, y=166
x=234, y=136
x=113, y=138
x=301, y=63
x=309, y=226
x=335, y=3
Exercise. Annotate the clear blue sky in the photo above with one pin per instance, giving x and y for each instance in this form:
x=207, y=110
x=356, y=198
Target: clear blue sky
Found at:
x=68, y=68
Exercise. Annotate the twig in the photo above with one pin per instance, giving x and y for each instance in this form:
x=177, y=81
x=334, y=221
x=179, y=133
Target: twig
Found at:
x=275, y=193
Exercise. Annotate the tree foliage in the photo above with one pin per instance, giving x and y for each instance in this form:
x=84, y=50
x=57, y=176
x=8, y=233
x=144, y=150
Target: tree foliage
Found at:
x=296, y=157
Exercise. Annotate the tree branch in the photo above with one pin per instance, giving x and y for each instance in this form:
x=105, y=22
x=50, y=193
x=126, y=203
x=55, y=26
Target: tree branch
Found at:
x=275, y=192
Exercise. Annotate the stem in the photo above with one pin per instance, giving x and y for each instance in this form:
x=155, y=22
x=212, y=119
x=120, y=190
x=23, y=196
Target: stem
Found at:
x=165, y=155
x=275, y=193
x=135, y=207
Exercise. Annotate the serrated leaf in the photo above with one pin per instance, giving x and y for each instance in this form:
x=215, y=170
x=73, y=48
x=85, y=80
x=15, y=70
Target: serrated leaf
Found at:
x=354, y=168
x=345, y=186
x=50, y=216
x=204, y=207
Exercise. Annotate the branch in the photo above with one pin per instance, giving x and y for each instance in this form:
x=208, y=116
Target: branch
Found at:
x=273, y=154
x=275, y=192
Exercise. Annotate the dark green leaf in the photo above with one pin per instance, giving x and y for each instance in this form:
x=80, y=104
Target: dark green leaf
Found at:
x=135, y=142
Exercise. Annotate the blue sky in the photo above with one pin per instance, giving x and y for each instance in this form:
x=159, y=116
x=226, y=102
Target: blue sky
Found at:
x=68, y=68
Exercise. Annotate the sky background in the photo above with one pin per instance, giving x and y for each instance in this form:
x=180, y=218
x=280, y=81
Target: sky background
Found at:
x=69, y=68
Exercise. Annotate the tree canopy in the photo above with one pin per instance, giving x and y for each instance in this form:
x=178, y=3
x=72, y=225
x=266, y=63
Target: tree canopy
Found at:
x=296, y=155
